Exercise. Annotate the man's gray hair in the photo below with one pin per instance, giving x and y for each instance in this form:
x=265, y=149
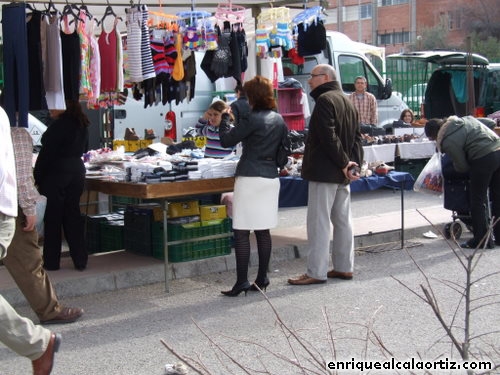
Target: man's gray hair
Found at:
x=328, y=70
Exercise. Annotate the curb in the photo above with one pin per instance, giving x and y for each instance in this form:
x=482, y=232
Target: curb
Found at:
x=152, y=271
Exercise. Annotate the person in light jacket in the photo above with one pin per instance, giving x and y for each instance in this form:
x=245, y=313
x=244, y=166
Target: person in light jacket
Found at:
x=473, y=148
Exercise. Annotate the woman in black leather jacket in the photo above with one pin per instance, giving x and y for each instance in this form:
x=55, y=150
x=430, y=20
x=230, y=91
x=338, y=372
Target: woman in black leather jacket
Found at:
x=256, y=188
x=60, y=176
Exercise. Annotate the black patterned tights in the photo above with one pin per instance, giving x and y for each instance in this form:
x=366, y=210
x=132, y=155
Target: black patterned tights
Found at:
x=242, y=251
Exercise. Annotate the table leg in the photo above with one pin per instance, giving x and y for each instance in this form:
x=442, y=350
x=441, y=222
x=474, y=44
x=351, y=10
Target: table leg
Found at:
x=402, y=213
x=165, y=242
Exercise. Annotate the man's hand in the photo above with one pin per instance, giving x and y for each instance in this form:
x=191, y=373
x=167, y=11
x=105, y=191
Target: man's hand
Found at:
x=351, y=171
x=29, y=225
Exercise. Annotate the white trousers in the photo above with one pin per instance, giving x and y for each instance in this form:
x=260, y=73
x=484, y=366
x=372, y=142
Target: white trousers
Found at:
x=16, y=332
x=329, y=204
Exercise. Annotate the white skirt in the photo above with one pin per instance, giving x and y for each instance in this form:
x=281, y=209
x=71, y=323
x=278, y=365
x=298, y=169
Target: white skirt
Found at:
x=255, y=203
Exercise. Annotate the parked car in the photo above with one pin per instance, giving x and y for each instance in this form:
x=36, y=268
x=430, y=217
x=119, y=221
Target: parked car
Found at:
x=447, y=91
x=414, y=97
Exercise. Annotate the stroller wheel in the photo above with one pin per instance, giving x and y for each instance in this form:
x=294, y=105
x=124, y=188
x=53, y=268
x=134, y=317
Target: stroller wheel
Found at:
x=453, y=230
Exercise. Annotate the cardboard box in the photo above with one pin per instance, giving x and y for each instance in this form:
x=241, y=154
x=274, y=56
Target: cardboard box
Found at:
x=199, y=141
x=132, y=146
x=117, y=143
x=215, y=212
x=145, y=142
x=187, y=208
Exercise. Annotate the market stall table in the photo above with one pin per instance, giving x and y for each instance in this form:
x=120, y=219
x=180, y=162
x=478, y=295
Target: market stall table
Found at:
x=385, y=153
x=415, y=150
x=163, y=192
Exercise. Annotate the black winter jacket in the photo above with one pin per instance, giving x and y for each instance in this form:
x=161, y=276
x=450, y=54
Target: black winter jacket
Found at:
x=63, y=145
x=260, y=132
x=334, y=136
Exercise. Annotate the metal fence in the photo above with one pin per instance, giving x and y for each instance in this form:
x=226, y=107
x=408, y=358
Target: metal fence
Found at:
x=409, y=79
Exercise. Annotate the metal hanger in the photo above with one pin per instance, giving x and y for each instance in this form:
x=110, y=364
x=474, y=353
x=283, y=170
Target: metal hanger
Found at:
x=108, y=12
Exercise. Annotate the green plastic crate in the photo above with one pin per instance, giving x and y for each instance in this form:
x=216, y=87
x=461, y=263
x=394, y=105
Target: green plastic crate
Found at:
x=178, y=232
x=184, y=252
x=195, y=250
x=112, y=235
x=412, y=166
x=93, y=230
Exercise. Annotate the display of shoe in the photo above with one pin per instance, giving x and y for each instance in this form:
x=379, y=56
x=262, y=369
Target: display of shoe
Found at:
x=237, y=289
x=44, y=364
x=262, y=284
x=339, y=275
x=66, y=315
x=130, y=135
x=149, y=134
x=305, y=280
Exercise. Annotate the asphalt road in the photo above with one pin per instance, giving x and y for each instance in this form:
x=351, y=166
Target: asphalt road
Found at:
x=121, y=331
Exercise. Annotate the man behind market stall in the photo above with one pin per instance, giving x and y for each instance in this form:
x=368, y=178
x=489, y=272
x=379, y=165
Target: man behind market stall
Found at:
x=365, y=103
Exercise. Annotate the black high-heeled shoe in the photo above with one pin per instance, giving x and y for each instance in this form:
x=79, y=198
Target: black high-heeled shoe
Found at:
x=261, y=284
x=237, y=289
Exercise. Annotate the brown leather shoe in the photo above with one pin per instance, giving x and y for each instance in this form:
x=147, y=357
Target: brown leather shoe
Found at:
x=339, y=275
x=305, y=280
x=66, y=315
x=43, y=365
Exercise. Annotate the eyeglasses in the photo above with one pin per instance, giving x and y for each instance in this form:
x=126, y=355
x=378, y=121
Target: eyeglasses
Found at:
x=316, y=75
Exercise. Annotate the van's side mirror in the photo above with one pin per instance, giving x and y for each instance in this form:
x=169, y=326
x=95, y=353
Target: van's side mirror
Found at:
x=387, y=89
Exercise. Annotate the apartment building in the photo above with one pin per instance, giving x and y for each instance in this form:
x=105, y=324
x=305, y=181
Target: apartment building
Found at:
x=397, y=24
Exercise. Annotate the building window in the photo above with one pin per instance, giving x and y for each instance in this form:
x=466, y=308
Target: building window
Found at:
x=397, y=37
x=392, y=2
x=454, y=19
x=365, y=11
x=355, y=13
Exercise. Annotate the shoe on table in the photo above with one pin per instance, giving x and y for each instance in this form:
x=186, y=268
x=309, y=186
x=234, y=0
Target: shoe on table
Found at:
x=66, y=315
x=44, y=364
x=339, y=275
x=305, y=280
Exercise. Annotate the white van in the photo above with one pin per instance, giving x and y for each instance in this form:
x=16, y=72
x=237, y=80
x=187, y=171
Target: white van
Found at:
x=349, y=58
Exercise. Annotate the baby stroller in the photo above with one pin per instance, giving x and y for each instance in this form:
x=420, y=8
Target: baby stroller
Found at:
x=456, y=198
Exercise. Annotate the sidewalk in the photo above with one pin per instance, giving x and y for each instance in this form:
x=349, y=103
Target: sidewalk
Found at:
x=121, y=269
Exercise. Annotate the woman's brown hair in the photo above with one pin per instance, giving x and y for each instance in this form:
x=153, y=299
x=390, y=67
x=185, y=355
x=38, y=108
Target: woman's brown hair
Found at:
x=260, y=93
x=74, y=111
x=403, y=114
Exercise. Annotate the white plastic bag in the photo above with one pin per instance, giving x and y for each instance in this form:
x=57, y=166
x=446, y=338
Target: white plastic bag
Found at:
x=430, y=180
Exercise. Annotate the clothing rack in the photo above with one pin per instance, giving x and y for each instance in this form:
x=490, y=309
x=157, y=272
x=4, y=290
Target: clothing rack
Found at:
x=307, y=16
x=273, y=16
x=230, y=12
